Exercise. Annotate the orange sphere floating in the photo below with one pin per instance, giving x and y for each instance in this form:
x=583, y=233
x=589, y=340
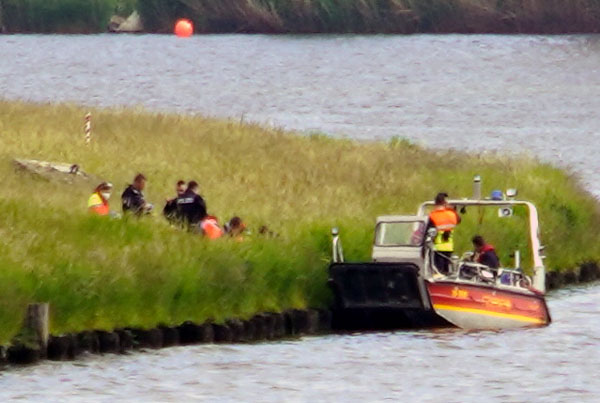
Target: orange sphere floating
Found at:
x=184, y=28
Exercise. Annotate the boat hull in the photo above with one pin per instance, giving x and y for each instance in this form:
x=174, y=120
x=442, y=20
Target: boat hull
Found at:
x=380, y=296
x=475, y=306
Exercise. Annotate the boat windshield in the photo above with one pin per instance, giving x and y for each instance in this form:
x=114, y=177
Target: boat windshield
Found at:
x=399, y=233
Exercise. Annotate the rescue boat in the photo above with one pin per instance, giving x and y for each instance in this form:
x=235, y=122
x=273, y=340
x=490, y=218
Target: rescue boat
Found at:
x=402, y=287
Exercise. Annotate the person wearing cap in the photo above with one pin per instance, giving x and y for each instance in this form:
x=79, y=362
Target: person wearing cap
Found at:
x=133, y=200
x=98, y=201
x=444, y=219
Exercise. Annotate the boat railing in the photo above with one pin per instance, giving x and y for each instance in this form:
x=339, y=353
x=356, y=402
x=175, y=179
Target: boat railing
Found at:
x=513, y=277
x=479, y=273
x=539, y=277
x=337, y=250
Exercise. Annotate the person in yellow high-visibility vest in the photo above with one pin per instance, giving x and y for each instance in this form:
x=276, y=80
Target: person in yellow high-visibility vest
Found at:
x=444, y=218
x=98, y=201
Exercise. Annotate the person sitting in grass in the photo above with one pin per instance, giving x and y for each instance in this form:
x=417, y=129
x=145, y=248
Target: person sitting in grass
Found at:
x=235, y=228
x=265, y=231
x=133, y=199
x=191, y=206
x=170, y=210
x=210, y=227
x=98, y=201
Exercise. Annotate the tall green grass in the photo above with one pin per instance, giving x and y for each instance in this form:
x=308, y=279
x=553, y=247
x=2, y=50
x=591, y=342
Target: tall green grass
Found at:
x=61, y=16
x=103, y=273
x=375, y=16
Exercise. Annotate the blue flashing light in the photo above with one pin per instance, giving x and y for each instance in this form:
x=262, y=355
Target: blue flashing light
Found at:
x=497, y=195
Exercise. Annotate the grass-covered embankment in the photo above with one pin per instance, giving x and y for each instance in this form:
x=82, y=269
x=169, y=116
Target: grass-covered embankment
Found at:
x=102, y=273
x=376, y=16
x=311, y=16
x=60, y=16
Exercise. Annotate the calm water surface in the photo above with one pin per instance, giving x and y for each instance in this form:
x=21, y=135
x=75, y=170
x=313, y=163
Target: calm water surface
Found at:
x=530, y=94
x=533, y=94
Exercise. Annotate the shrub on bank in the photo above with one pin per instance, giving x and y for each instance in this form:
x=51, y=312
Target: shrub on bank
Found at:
x=61, y=16
x=102, y=273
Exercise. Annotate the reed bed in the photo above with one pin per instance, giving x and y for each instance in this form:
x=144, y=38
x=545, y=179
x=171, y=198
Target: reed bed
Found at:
x=376, y=16
x=106, y=273
x=61, y=16
x=310, y=16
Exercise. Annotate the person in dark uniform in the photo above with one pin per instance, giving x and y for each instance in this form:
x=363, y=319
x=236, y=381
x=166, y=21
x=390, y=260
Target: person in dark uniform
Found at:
x=485, y=253
x=191, y=206
x=133, y=200
x=170, y=210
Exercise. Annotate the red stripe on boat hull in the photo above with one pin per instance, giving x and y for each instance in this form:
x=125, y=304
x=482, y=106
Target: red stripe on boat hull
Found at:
x=485, y=307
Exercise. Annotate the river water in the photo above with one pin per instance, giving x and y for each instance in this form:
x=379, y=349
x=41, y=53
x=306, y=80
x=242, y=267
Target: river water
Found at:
x=532, y=94
x=558, y=363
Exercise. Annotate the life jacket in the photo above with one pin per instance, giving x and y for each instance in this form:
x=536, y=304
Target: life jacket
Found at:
x=445, y=220
x=486, y=248
x=98, y=205
x=211, y=228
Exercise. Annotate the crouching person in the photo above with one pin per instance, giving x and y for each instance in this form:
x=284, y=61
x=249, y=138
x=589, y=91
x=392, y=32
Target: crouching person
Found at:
x=210, y=227
x=235, y=228
x=191, y=207
x=98, y=201
x=170, y=210
x=133, y=199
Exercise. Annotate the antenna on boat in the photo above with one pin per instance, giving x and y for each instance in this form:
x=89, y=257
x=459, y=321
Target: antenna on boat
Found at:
x=477, y=187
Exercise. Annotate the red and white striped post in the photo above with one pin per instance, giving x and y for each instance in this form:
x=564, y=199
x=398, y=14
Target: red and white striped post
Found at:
x=88, y=128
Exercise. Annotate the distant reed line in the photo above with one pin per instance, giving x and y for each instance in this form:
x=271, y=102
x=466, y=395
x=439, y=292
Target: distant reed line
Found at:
x=310, y=16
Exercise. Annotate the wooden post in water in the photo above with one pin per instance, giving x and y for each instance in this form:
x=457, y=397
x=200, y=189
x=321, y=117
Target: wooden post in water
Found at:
x=36, y=321
x=2, y=28
x=31, y=343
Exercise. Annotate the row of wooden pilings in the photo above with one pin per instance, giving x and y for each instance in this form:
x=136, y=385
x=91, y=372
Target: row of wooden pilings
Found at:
x=34, y=343
x=585, y=273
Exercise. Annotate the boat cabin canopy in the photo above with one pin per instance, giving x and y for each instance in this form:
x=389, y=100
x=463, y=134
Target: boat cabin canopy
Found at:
x=534, y=230
x=399, y=238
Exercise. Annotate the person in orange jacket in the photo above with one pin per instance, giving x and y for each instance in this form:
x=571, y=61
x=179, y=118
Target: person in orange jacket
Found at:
x=210, y=227
x=444, y=218
x=98, y=201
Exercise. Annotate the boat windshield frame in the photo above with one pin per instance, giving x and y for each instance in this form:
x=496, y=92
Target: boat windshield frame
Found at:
x=398, y=220
x=534, y=229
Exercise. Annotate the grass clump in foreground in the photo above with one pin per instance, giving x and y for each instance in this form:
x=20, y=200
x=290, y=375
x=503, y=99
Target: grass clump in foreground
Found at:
x=102, y=273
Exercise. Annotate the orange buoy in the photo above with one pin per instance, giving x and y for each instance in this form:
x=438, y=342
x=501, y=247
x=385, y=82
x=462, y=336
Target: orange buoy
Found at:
x=184, y=28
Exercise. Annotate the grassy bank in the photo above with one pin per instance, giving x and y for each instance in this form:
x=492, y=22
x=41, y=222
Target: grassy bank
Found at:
x=99, y=273
x=60, y=16
x=376, y=16
x=311, y=16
